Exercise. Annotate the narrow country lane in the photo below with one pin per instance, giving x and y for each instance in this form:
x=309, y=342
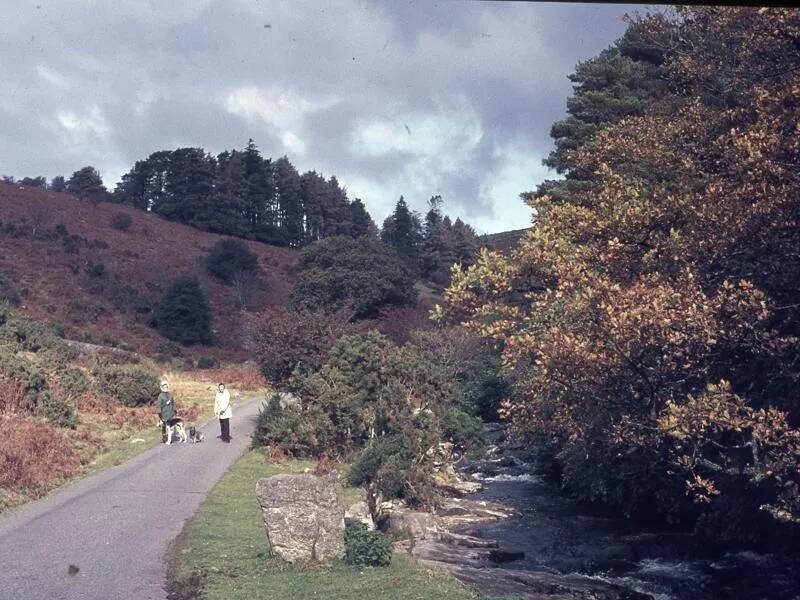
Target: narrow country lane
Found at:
x=115, y=526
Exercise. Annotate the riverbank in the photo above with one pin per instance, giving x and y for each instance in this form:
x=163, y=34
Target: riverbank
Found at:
x=551, y=546
x=223, y=553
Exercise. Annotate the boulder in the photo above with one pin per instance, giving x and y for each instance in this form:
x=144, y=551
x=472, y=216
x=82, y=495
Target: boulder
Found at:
x=303, y=517
x=403, y=522
x=359, y=511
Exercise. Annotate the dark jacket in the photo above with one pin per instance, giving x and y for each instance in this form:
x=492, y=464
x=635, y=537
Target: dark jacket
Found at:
x=166, y=406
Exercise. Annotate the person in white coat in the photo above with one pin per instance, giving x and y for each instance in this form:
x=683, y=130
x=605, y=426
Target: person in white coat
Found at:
x=222, y=410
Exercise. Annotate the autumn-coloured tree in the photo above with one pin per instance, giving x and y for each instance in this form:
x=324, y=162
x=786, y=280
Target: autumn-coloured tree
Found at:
x=652, y=317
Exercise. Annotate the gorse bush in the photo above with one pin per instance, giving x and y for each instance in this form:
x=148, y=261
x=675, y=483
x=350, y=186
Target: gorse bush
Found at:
x=286, y=426
x=365, y=548
x=231, y=259
x=130, y=385
x=7, y=292
x=207, y=362
x=396, y=403
x=57, y=411
x=184, y=315
x=121, y=221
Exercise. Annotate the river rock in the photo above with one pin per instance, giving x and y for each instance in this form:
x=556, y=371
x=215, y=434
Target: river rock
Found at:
x=303, y=517
x=404, y=522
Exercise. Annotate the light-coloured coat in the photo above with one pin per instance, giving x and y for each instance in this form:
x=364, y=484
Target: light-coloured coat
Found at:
x=222, y=405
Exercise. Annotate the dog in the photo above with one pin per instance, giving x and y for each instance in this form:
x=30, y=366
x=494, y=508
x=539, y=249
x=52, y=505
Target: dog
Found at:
x=195, y=436
x=175, y=427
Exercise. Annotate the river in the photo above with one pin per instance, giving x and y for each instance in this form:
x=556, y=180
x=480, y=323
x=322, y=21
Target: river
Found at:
x=558, y=534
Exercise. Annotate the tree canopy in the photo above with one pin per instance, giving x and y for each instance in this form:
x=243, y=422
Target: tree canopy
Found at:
x=651, y=315
x=364, y=274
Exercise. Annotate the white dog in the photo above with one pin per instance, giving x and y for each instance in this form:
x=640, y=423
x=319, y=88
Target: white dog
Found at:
x=173, y=427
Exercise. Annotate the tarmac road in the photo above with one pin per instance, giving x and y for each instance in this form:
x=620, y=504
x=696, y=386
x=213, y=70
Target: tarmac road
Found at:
x=115, y=526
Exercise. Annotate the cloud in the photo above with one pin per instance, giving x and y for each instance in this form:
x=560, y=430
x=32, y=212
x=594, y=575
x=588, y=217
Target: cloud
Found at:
x=392, y=97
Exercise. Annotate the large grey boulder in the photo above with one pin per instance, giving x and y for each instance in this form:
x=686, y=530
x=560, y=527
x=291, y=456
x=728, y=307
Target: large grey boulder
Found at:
x=303, y=517
x=407, y=523
x=359, y=511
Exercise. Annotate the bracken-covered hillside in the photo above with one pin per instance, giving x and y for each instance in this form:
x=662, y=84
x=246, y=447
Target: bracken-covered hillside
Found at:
x=76, y=264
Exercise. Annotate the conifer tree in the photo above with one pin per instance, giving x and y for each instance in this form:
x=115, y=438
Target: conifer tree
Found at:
x=87, y=184
x=184, y=315
x=403, y=231
x=58, y=184
x=289, y=193
x=361, y=223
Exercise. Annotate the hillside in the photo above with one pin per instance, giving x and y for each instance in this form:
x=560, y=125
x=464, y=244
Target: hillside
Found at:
x=505, y=241
x=71, y=266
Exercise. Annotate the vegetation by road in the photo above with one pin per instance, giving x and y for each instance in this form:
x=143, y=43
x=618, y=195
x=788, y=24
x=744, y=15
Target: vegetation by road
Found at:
x=223, y=551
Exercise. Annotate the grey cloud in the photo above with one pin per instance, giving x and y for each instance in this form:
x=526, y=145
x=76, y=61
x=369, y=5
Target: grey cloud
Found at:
x=107, y=83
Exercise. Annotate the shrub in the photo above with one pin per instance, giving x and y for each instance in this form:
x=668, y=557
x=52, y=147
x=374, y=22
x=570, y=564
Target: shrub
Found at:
x=365, y=548
x=399, y=465
x=57, y=411
x=7, y=291
x=285, y=426
x=31, y=336
x=128, y=384
x=463, y=429
x=70, y=382
x=230, y=259
x=121, y=221
x=184, y=315
x=22, y=382
x=96, y=269
x=207, y=362
x=81, y=311
x=363, y=273
x=287, y=342
x=33, y=457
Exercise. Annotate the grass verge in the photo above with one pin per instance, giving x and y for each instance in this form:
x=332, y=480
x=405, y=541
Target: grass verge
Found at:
x=222, y=553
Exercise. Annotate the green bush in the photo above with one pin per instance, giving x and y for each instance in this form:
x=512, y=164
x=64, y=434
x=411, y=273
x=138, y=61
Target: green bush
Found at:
x=28, y=372
x=96, y=269
x=207, y=362
x=362, y=273
x=57, y=411
x=71, y=382
x=398, y=465
x=288, y=427
x=7, y=291
x=365, y=548
x=81, y=312
x=184, y=315
x=130, y=385
x=121, y=221
x=230, y=259
x=32, y=336
x=463, y=429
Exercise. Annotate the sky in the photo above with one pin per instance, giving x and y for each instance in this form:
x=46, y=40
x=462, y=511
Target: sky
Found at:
x=394, y=98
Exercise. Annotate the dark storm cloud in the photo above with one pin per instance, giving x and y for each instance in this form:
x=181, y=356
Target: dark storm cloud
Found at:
x=413, y=98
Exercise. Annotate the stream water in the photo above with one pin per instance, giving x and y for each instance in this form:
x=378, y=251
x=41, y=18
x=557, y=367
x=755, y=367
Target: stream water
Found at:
x=556, y=533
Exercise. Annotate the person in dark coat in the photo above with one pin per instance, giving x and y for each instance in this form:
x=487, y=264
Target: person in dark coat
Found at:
x=166, y=409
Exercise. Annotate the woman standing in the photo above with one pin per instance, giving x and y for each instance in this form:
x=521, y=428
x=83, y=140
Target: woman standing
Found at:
x=222, y=410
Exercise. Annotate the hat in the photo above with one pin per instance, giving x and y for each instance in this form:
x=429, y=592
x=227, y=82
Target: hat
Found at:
x=164, y=384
